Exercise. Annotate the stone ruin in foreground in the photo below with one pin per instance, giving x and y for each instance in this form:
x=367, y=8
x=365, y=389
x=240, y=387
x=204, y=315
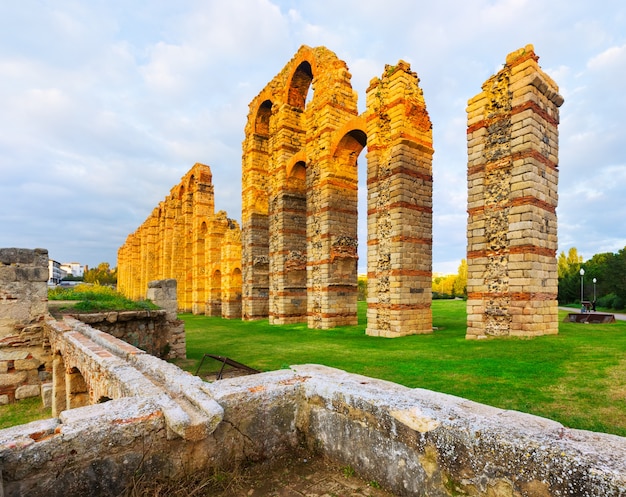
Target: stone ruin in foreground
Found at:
x=120, y=413
x=295, y=257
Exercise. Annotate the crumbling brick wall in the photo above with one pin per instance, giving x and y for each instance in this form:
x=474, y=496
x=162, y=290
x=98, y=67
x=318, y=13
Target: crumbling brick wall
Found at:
x=512, y=198
x=24, y=352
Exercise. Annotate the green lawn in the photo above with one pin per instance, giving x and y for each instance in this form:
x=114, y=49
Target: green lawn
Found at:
x=577, y=377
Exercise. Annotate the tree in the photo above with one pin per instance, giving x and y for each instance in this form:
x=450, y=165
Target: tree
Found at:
x=460, y=283
x=570, y=264
x=102, y=275
x=362, y=288
x=569, y=279
x=607, y=268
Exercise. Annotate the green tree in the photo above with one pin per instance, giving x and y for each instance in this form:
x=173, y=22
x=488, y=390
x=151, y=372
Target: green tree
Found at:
x=569, y=278
x=460, y=283
x=102, y=274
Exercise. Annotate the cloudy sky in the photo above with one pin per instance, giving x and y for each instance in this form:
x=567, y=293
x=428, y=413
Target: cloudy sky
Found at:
x=106, y=104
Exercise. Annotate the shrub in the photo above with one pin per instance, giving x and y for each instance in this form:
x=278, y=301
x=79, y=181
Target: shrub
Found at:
x=611, y=301
x=91, y=298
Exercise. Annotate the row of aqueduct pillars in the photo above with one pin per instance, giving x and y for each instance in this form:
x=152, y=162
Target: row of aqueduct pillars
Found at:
x=300, y=194
x=184, y=239
x=299, y=200
x=298, y=260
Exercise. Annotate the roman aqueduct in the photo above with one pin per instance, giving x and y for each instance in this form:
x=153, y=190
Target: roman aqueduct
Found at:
x=298, y=239
x=122, y=412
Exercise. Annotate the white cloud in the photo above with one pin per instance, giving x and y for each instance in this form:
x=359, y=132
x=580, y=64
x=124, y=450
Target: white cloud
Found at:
x=608, y=58
x=109, y=104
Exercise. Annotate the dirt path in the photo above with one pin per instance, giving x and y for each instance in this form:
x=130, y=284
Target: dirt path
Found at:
x=302, y=477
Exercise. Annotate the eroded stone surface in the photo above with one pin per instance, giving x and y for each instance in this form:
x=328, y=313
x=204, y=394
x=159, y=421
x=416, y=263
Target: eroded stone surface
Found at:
x=512, y=142
x=410, y=441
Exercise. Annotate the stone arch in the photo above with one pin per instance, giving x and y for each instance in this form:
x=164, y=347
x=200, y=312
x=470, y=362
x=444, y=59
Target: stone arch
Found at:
x=319, y=139
x=262, y=121
x=299, y=85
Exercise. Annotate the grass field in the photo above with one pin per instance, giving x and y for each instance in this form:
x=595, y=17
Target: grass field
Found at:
x=577, y=377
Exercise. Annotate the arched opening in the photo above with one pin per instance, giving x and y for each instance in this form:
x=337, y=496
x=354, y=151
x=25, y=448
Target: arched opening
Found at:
x=77, y=391
x=215, y=301
x=200, y=276
x=262, y=122
x=300, y=84
x=237, y=280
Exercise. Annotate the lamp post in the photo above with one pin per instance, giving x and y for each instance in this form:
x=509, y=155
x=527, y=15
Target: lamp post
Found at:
x=594, y=289
x=582, y=274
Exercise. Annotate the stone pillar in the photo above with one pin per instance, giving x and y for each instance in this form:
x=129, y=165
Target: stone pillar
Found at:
x=163, y=293
x=254, y=216
x=59, y=398
x=512, y=198
x=287, y=221
x=24, y=353
x=333, y=145
x=399, y=180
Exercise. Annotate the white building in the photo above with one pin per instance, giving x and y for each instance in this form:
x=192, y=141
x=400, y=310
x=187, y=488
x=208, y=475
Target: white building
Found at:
x=73, y=268
x=55, y=273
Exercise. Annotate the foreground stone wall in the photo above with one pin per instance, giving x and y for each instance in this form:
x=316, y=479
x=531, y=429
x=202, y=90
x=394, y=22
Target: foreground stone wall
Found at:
x=411, y=441
x=151, y=331
x=512, y=180
x=24, y=354
x=185, y=240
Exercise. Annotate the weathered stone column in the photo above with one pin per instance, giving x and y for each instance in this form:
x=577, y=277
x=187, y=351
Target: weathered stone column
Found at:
x=254, y=217
x=24, y=356
x=399, y=211
x=59, y=398
x=203, y=208
x=512, y=198
x=287, y=220
x=164, y=294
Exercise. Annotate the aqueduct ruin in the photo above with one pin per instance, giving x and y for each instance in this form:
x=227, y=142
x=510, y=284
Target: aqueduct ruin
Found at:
x=298, y=241
x=299, y=214
x=184, y=239
x=512, y=176
x=299, y=246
